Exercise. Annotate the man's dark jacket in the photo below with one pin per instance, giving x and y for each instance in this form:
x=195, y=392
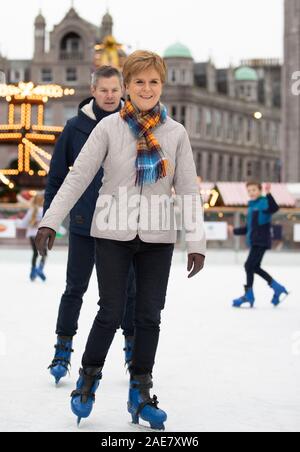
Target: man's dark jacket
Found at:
x=67, y=149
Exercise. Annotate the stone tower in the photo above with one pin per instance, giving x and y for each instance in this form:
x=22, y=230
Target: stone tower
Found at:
x=39, y=35
x=291, y=93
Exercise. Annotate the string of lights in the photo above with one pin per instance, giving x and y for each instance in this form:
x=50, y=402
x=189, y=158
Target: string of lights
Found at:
x=21, y=129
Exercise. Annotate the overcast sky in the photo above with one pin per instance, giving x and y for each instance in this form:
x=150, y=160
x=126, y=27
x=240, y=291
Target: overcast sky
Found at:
x=227, y=31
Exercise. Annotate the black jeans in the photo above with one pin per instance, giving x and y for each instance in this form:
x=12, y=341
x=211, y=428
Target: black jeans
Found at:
x=152, y=264
x=253, y=265
x=81, y=261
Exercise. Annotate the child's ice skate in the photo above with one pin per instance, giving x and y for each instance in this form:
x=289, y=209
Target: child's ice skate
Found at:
x=279, y=290
x=247, y=298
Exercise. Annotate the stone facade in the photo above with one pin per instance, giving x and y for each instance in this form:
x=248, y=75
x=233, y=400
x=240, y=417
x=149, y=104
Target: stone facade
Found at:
x=291, y=93
x=234, y=123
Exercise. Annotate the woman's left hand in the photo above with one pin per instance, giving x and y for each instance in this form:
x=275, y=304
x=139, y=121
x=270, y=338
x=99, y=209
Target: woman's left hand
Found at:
x=195, y=264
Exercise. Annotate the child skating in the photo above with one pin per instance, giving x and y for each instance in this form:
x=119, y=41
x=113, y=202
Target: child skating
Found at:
x=31, y=222
x=259, y=239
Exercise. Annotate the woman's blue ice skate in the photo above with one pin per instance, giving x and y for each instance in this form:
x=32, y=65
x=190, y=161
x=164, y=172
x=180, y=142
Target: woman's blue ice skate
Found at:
x=247, y=298
x=141, y=405
x=83, y=398
x=279, y=290
x=59, y=367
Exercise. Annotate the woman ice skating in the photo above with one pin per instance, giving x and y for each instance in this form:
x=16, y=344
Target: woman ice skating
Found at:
x=144, y=153
x=258, y=232
x=31, y=222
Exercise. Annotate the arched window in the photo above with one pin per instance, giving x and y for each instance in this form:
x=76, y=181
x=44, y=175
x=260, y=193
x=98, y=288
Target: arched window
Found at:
x=71, y=47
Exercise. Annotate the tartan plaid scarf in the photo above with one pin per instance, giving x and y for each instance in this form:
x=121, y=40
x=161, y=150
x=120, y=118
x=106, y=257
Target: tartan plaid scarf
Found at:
x=151, y=165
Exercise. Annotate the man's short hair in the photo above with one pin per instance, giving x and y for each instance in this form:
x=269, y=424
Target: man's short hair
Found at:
x=255, y=184
x=105, y=72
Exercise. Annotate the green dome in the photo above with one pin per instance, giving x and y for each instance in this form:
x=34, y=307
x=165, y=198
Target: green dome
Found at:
x=178, y=50
x=246, y=74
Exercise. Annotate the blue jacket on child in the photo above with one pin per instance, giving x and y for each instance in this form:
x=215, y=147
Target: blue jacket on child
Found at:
x=259, y=217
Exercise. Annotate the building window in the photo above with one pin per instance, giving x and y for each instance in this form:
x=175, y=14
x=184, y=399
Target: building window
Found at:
x=71, y=75
x=220, y=167
x=249, y=133
x=48, y=115
x=236, y=129
x=199, y=163
x=230, y=169
x=240, y=129
x=172, y=76
x=219, y=125
x=275, y=136
x=199, y=121
x=46, y=75
x=208, y=122
x=183, y=115
x=268, y=172
x=267, y=134
x=17, y=75
x=209, y=166
x=174, y=112
x=229, y=125
x=259, y=126
x=249, y=169
x=240, y=169
x=71, y=47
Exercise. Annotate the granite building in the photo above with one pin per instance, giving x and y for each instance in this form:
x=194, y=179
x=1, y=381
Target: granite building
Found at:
x=233, y=115
x=291, y=93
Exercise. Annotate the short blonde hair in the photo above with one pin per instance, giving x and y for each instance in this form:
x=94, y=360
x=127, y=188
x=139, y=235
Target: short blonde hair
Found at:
x=140, y=61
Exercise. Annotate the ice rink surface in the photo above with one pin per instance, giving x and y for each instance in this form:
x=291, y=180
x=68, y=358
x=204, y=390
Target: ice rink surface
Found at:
x=218, y=369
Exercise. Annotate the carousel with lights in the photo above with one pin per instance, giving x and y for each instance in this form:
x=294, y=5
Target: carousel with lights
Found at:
x=25, y=130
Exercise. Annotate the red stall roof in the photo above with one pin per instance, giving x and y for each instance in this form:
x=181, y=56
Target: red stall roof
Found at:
x=234, y=194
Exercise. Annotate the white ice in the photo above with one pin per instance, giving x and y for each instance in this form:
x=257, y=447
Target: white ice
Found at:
x=218, y=369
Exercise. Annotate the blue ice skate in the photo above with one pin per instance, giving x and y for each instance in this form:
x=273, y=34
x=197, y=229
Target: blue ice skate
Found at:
x=141, y=405
x=247, y=298
x=83, y=398
x=279, y=290
x=59, y=367
x=40, y=272
x=128, y=350
x=33, y=274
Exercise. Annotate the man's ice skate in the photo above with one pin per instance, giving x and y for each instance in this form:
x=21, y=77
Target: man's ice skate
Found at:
x=141, y=405
x=83, y=398
x=59, y=367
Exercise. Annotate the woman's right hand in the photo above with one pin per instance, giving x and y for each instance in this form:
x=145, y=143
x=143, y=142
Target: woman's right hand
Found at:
x=45, y=238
